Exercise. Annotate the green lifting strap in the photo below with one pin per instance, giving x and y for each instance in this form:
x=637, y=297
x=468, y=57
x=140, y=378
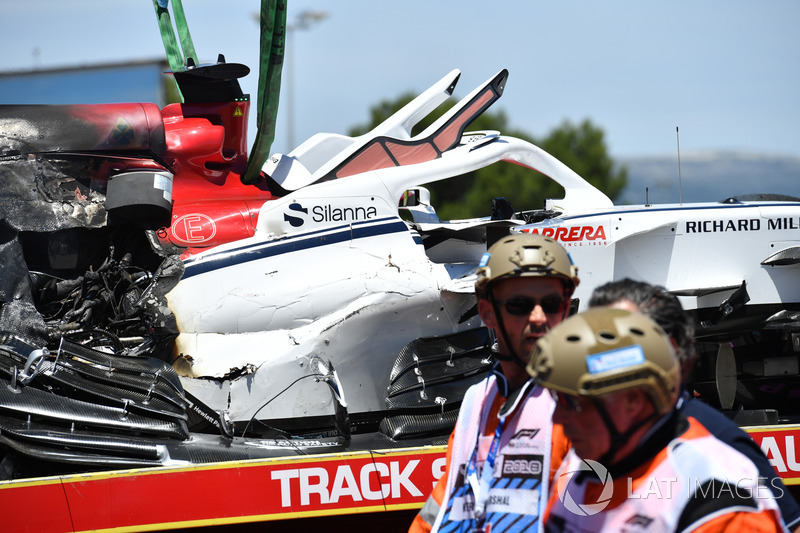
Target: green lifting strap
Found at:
x=168, y=36
x=177, y=61
x=183, y=32
x=273, y=46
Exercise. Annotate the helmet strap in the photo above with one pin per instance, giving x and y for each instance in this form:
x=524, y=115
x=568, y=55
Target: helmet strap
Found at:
x=512, y=355
x=618, y=438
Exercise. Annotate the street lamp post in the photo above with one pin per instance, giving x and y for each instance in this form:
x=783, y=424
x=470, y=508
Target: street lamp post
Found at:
x=303, y=21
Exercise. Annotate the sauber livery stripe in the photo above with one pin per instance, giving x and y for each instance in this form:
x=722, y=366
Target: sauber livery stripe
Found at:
x=293, y=243
x=693, y=208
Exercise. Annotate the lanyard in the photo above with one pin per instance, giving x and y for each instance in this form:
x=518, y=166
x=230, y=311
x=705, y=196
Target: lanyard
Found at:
x=480, y=487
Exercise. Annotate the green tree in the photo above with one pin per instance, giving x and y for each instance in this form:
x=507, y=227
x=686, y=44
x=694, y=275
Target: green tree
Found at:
x=581, y=147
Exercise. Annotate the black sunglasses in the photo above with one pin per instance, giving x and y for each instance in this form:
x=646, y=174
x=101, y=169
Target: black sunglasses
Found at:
x=522, y=305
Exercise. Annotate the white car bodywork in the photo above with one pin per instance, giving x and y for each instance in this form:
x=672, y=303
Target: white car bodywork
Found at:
x=720, y=246
x=334, y=272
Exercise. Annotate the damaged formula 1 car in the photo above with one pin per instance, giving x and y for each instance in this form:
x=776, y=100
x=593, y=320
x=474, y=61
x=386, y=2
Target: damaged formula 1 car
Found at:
x=114, y=215
x=158, y=311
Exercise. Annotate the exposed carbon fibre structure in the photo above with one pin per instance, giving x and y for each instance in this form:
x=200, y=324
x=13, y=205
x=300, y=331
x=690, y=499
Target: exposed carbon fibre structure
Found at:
x=84, y=410
x=439, y=367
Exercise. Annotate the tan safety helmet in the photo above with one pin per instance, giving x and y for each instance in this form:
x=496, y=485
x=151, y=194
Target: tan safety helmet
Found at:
x=604, y=350
x=525, y=254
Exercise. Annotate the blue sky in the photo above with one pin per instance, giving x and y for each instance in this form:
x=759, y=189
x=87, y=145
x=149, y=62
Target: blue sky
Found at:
x=726, y=72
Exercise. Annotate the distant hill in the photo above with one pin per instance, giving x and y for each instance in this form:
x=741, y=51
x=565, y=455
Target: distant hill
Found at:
x=708, y=177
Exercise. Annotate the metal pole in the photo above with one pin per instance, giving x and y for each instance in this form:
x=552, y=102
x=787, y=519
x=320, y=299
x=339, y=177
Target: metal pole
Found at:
x=302, y=22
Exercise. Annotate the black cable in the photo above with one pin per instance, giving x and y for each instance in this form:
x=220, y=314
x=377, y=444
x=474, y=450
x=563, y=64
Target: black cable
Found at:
x=289, y=386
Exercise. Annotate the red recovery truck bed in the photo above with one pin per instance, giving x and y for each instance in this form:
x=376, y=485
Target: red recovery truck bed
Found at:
x=295, y=493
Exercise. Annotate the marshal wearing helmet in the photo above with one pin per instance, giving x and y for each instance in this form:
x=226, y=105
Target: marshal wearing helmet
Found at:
x=616, y=381
x=524, y=285
x=600, y=352
x=524, y=256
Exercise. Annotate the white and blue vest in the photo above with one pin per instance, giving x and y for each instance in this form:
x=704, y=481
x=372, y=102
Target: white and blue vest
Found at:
x=515, y=491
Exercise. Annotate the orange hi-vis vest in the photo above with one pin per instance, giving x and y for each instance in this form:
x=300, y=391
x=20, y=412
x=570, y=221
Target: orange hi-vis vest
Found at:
x=696, y=483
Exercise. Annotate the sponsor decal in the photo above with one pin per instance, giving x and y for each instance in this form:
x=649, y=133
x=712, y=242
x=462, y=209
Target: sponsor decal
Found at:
x=719, y=226
x=780, y=445
x=335, y=484
x=300, y=214
x=783, y=223
x=329, y=213
x=194, y=228
x=122, y=133
x=284, y=443
x=742, y=224
x=294, y=221
x=574, y=235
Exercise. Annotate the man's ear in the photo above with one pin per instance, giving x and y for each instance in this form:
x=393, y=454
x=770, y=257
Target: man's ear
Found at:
x=486, y=312
x=674, y=344
x=637, y=401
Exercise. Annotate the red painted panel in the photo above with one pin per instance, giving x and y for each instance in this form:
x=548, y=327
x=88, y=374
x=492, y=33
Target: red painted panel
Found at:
x=781, y=444
x=34, y=506
x=264, y=490
x=225, y=493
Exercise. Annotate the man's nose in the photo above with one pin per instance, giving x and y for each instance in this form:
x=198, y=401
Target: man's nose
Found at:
x=537, y=315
